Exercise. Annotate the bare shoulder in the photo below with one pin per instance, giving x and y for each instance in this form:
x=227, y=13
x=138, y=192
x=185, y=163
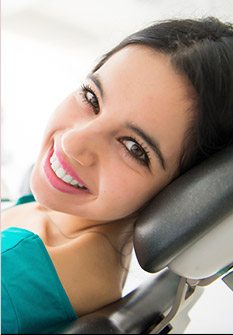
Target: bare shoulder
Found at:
x=90, y=272
x=15, y=216
x=29, y=216
x=88, y=266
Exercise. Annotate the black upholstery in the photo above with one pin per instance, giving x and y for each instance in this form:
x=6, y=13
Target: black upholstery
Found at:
x=134, y=313
x=184, y=211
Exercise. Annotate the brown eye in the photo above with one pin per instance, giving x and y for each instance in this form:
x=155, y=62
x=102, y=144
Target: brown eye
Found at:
x=90, y=98
x=135, y=150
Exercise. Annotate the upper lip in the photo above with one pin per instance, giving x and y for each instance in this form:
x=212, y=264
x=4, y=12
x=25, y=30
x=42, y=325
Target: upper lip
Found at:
x=67, y=167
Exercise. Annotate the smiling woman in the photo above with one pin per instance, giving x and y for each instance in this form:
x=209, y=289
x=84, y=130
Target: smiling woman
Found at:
x=154, y=106
x=93, y=135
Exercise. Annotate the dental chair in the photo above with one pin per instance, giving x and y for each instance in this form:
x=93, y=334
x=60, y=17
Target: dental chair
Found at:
x=185, y=238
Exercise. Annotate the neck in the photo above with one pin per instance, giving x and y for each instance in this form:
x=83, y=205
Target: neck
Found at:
x=118, y=232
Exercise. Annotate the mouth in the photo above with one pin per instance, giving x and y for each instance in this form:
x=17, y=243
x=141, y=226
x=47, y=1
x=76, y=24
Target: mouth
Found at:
x=61, y=176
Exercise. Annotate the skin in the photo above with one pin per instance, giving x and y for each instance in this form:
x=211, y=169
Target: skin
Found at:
x=90, y=143
x=140, y=88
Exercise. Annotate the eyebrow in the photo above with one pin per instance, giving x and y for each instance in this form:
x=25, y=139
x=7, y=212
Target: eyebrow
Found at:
x=150, y=141
x=147, y=138
x=95, y=78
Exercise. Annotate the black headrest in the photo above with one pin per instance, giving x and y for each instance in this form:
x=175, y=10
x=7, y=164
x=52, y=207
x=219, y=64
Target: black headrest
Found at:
x=184, y=211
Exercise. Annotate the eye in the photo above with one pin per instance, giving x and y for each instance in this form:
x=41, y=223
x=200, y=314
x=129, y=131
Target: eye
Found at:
x=90, y=98
x=136, y=150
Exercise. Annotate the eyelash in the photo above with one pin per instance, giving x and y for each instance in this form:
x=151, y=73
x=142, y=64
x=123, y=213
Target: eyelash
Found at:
x=143, y=161
x=85, y=88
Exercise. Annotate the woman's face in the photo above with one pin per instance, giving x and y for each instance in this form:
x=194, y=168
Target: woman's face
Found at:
x=119, y=137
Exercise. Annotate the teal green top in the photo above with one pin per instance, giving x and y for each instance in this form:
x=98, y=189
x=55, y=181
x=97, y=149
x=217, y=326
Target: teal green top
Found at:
x=33, y=298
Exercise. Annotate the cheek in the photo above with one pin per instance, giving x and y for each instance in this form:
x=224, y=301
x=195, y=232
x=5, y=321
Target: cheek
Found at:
x=123, y=196
x=60, y=120
x=65, y=113
x=69, y=113
x=126, y=191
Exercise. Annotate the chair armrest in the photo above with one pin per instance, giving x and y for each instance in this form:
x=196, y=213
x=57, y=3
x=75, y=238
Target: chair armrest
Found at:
x=132, y=314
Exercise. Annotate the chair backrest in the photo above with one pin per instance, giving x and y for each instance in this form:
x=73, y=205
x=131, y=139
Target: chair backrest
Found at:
x=189, y=225
x=192, y=211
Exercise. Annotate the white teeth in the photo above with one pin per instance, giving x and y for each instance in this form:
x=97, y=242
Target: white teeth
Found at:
x=73, y=182
x=52, y=159
x=55, y=166
x=67, y=178
x=61, y=173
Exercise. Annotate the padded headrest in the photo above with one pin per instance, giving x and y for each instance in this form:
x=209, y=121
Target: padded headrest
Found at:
x=184, y=211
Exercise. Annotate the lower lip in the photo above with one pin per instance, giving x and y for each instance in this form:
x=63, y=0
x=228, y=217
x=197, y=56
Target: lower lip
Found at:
x=57, y=183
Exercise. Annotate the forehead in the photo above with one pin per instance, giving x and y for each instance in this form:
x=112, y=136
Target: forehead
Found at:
x=140, y=65
x=142, y=85
x=145, y=80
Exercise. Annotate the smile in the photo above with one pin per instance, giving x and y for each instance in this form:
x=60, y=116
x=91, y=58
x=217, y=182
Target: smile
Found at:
x=63, y=174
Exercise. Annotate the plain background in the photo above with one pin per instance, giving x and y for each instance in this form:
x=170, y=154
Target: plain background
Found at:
x=48, y=46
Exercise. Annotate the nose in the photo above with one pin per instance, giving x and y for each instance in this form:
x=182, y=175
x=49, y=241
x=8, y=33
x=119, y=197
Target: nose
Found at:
x=83, y=144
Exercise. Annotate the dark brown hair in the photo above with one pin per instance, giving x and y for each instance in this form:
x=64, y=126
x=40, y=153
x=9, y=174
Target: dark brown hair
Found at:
x=202, y=50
